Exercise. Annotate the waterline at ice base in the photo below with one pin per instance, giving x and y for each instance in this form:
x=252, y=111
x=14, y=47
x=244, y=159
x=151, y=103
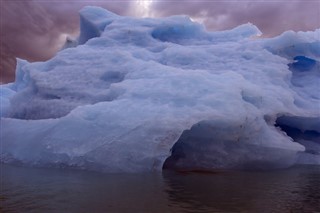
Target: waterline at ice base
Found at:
x=142, y=95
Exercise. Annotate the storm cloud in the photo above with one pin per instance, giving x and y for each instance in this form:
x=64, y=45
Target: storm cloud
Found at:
x=35, y=30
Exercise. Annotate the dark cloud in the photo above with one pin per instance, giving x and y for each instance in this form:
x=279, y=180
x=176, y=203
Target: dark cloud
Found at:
x=35, y=29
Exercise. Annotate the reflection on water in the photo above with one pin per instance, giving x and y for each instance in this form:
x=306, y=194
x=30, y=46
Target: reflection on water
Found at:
x=294, y=190
x=49, y=190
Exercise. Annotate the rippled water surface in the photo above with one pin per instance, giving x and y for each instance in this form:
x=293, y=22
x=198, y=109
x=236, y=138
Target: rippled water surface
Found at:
x=51, y=190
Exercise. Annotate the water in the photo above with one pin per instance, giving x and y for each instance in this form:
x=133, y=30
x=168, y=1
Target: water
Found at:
x=52, y=190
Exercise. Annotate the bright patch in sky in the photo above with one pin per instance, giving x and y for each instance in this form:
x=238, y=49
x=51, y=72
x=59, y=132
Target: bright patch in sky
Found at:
x=143, y=7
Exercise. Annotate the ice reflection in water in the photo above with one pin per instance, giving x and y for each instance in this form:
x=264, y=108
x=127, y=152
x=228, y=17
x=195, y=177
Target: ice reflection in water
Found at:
x=295, y=190
x=50, y=190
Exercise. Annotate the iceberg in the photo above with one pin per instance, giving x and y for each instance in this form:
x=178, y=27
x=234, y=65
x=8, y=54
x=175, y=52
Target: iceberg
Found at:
x=142, y=95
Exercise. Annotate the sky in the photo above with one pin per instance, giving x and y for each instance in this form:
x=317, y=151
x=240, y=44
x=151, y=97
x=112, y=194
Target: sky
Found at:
x=36, y=29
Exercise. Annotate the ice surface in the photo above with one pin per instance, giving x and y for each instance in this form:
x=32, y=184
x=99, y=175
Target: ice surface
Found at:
x=134, y=89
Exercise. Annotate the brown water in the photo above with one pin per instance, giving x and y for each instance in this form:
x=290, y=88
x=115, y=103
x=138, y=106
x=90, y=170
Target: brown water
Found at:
x=51, y=190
